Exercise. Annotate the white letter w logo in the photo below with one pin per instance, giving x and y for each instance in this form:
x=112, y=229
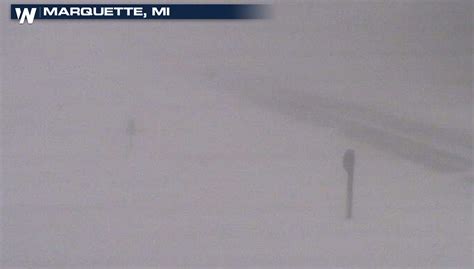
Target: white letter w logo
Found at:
x=26, y=13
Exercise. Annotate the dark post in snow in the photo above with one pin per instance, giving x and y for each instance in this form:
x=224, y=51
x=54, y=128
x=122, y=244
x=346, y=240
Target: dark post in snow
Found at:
x=348, y=163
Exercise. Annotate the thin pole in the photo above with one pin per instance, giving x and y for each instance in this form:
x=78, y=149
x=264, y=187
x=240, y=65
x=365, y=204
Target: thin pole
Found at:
x=349, y=163
x=350, y=181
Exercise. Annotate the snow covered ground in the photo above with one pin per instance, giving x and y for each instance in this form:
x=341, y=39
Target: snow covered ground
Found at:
x=219, y=144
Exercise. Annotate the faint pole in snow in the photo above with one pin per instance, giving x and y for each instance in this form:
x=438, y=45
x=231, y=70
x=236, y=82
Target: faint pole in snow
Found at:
x=348, y=163
x=131, y=131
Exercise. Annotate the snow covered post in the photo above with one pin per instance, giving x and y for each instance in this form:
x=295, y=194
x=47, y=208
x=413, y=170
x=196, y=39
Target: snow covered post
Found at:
x=348, y=163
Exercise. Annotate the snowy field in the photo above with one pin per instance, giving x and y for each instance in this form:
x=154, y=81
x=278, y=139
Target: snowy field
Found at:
x=219, y=144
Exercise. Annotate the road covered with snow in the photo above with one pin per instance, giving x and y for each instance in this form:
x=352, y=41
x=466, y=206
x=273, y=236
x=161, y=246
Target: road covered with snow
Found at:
x=220, y=144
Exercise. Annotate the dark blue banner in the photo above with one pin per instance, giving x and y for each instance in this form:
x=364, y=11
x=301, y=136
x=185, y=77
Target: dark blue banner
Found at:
x=29, y=13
